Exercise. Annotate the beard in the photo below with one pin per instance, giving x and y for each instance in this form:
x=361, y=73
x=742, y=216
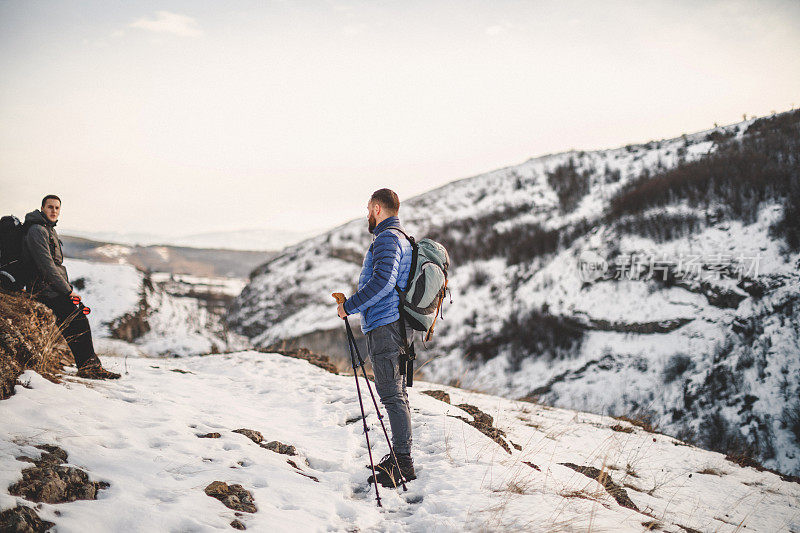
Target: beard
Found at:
x=372, y=222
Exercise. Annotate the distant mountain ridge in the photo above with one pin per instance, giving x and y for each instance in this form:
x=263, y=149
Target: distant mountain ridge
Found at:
x=169, y=259
x=251, y=239
x=713, y=357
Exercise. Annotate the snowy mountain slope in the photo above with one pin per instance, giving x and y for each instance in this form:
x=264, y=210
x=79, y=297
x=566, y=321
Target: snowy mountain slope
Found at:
x=693, y=324
x=140, y=435
x=154, y=314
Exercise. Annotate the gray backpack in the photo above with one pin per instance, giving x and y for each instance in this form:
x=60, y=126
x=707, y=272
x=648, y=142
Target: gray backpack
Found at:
x=421, y=301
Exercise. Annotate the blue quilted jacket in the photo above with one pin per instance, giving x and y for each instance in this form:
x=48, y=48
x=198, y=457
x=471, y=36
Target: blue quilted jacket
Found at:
x=387, y=263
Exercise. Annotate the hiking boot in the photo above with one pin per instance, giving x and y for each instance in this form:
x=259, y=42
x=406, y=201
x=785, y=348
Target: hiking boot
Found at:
x=387, y=473
x=94, y=370
x=384, y=464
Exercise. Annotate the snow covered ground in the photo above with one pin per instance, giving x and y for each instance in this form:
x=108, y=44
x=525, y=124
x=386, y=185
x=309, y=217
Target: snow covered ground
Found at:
x=140, y=435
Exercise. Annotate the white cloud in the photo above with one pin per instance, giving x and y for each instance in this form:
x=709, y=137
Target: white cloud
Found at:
x=166, y=22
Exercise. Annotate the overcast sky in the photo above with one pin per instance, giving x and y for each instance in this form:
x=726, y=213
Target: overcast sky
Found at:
x=184, y=117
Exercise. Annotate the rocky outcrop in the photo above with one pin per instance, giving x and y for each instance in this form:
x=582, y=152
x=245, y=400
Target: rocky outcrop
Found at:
x=133, y=325
x=322, y=361
x=279, y=447
x=604, y=478
x=21, y=519
x=251, y=434
x=440, y=395
x=50, y=481
x=233, y=497
x=660, y=326
x=484, y=423
x=275, y=446
x=29, y=339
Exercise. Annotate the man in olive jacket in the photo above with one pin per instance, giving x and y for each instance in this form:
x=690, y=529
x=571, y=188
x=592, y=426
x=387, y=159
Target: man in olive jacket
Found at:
x=50, y=285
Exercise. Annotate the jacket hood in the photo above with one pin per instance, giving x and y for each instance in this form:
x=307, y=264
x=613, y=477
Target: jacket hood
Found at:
x=37, y=217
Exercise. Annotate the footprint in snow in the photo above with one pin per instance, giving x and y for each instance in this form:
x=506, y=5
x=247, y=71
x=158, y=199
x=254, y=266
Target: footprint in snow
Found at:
x=414, y=498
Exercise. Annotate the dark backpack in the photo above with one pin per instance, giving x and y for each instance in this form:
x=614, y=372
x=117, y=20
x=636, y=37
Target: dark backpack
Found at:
x=14, y=271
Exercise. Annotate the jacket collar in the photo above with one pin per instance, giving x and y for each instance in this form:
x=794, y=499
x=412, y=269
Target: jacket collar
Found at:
x=37, y=217
x=388, y=223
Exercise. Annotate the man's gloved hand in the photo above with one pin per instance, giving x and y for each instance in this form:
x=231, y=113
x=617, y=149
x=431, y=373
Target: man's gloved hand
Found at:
x=340, y=299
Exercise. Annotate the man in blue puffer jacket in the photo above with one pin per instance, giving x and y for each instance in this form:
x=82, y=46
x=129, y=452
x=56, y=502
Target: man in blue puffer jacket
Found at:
x=386, y=265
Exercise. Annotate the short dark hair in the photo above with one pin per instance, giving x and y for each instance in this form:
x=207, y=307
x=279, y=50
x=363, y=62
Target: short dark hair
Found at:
x=50, y=197
x=387, y=198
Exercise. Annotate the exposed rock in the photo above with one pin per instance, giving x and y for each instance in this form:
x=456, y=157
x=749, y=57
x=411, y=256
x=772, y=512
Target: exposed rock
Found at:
x=532, y=465
x=438, y=394
x=253, y=435
x=479, y=416
x=659, y=326
x=604, y=478
x=51, y=482
x=233, y=497
x=722, y=296
x=322, y=361
x=209, y=436
x=21, y=519
x=51, y=455
x=279, y=447
x=483, y=423
x=238, y=525
x=133, y=325
x=300, y=470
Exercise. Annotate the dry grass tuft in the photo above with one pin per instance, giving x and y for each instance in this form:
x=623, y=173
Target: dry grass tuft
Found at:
x=642, y=420
x=29, y=339
x=516, y=487
x=711, y=471
x=622, y=429
x=583, y=494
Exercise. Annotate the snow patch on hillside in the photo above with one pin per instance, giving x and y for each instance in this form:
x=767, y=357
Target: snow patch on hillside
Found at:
x=180, y=320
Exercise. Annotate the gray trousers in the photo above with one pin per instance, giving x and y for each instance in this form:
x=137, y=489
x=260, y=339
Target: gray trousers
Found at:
x=383, y=344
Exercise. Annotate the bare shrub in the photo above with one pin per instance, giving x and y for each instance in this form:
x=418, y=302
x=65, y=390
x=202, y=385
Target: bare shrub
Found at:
x=29, y=339
x=739, y=175
x=570, y=184
x=535, y=334
x=677, y=365
x=791, y=419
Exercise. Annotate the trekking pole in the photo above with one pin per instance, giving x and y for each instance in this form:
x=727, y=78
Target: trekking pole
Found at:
x=361, y=404
x=354, y=352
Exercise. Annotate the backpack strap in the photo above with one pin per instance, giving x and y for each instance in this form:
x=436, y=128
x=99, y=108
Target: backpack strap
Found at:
x=414, y=256
x=408, y=352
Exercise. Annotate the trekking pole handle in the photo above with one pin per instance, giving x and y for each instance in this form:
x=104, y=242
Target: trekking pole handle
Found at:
x=77, y=301
x=339, y=297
